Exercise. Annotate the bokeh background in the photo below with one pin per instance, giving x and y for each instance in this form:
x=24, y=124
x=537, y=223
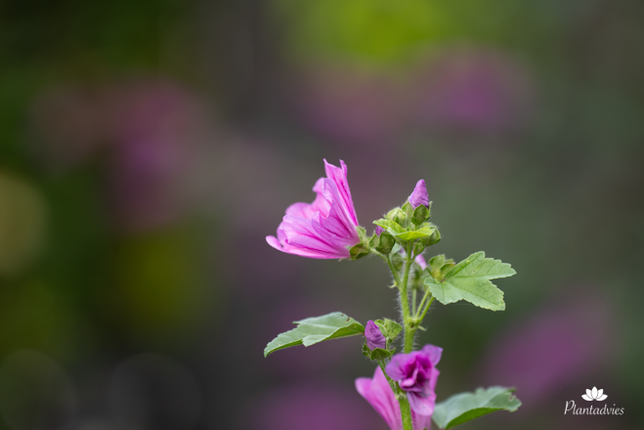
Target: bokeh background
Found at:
x=147, y=148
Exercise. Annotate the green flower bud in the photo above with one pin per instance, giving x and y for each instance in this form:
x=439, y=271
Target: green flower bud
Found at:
x=420, y=215
x=386, y=243
x=397, y=215
x=358, y=251
x=418, y=247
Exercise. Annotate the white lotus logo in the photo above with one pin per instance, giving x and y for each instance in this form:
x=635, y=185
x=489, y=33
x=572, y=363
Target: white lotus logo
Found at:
x=594, y=394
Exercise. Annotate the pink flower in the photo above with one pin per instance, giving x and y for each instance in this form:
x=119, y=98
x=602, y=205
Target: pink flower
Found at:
x=324, y=228
x=380, y=395
x=416, y=374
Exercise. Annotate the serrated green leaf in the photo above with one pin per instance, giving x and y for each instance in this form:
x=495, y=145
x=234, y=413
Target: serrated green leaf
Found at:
x=470, y=280
x=464, y=407
x=313, y=330
x=476, y=265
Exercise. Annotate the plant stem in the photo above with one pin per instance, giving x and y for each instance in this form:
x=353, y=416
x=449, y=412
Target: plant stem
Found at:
x=393, y=270
x=404, y=302
x=420, y=319
x=405, y=412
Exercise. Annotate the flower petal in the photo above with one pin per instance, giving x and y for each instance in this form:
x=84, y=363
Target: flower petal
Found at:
x=381, y=397
x=602, y=397
x=421, y=422
x=586, y=397
x=422, y=405
x=339, y=176
x=594, y=393
x=434, y=353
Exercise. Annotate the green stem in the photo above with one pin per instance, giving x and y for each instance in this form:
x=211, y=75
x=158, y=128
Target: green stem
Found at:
x=405, y=412
x=393, y=270
x=422, y=316
x=414, y=310
x=404, y=302
x=422, y=303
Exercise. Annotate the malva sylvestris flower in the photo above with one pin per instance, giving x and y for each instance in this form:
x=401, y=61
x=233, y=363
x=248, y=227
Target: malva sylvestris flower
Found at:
x=324, y=228
x=382, y=398
x=375, y=338
x=416, y=374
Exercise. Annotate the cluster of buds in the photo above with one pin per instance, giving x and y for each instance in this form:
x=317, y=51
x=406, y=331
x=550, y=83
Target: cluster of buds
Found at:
x=401, y=228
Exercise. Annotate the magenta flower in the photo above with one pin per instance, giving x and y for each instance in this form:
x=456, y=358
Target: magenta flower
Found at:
x=416, y=374
x=419, y=196
x=380, y=395
x=324, y=228
x=375, y=338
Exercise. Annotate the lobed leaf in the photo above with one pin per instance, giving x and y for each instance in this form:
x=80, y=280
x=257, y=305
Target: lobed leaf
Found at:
x=470, y=280
x=313, y=330
x=464, y=407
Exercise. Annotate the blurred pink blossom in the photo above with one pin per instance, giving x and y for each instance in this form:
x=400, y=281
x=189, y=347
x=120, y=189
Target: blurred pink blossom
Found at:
x=474, y=89
x=556, y=345
x=352, y=105
x=311, y=405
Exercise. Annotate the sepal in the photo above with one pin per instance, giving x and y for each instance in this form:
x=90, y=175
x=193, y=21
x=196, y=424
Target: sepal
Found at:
x=421, y=214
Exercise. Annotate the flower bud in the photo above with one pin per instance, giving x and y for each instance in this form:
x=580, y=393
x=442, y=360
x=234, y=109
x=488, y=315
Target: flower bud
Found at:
x=420, y=215
x=419, y=196
x=386, y=243
x=397, y=215
x=419, y=247
x=379, y=230
x=375, y=338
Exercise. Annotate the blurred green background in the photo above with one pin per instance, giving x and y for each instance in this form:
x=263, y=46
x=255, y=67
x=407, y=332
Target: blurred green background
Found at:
x=147, y=148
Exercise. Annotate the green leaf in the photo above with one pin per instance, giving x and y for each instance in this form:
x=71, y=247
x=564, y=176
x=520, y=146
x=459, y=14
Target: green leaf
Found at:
x=464, y=407
x=314, y=330
x=470, y=280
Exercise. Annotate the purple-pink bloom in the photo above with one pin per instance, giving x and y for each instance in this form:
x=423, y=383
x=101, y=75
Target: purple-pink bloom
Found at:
x=324, y=228
x=419, y=196
x=420, y=260
x=379, y=230
x=380, y=395
x=375, y=338
x=416, y=374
